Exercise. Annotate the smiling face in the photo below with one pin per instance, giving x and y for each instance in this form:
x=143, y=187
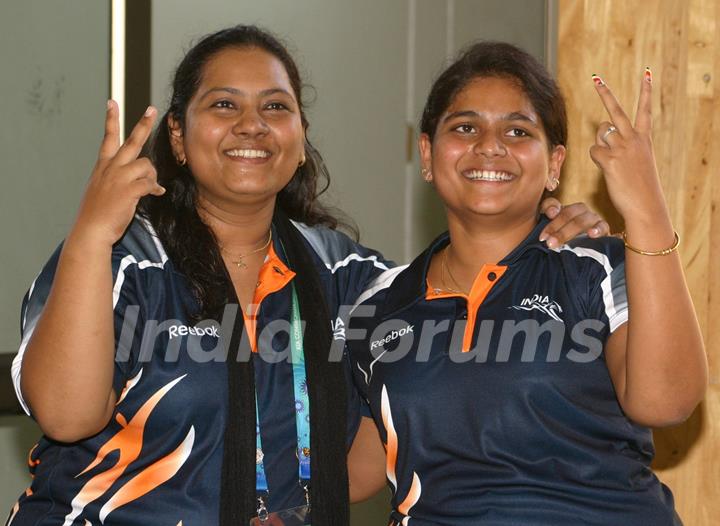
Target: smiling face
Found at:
x=243, y=136
x=490, y=155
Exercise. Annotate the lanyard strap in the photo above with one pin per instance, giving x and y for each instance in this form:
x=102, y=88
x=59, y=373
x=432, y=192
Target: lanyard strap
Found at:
x=302, y=405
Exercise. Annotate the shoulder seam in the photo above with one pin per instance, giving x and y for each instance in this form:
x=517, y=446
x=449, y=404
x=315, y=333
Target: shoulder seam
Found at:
x=333, y=264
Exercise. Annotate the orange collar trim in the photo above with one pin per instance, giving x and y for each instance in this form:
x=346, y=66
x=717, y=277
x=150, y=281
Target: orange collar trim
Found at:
x=486, y=279
x=274, y=276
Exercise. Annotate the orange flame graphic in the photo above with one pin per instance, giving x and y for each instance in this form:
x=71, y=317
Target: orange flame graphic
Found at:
x=132, y=382
x=128, y=441
x=32, y=463
x=151, y=477
x=392, y=450
x=411, y=499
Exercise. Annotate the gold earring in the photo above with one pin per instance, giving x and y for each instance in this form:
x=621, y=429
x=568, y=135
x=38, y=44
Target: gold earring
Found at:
x=182, y=162
x=554, y=183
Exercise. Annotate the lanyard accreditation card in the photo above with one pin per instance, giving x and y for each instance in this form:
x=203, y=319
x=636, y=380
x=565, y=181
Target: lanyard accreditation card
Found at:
x=299, y=516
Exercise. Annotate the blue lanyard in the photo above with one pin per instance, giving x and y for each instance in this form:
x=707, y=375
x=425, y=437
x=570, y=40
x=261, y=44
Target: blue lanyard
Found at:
x=302, y=406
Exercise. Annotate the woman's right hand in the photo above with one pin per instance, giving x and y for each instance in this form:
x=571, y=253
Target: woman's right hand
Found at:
x=118, y=181
x=67, y=370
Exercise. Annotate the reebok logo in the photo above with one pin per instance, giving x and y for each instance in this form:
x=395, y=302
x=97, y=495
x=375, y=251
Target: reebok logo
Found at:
x=184, y=330
x=394, y=335
x=541, y=303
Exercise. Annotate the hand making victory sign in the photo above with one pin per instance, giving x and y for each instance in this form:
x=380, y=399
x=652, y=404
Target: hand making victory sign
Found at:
x=119, y=179
x=656, y=360
x=625, y=155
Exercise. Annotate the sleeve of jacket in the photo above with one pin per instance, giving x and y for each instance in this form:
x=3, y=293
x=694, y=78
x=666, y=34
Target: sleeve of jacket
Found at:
x=126, y=307
x=603, y=274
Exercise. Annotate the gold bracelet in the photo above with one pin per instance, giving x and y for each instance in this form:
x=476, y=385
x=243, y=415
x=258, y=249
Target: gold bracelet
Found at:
x=663, y=252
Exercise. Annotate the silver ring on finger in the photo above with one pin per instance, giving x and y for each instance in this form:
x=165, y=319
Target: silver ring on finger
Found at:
x=610, y=130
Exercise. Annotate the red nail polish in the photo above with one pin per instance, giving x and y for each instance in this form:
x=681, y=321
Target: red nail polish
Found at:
x=597, y=80
x=648, y=75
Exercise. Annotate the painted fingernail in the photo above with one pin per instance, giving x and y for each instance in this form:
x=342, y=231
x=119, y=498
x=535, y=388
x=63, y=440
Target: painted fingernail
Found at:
x=597, y=80
x=648, y=75
x=543, y=237
x=551, y=242
x=594, y=231
x=149, y=111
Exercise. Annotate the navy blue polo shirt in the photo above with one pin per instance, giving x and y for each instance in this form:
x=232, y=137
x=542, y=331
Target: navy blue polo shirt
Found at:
x=498, y=408
x=159, y=460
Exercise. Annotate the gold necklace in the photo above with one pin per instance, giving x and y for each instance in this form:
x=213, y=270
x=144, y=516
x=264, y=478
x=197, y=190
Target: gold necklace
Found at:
x=238, y=262
x=443, y=268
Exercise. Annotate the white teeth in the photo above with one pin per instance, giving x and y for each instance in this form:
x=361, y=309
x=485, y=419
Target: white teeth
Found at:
x=488, y=175
x=248, y=154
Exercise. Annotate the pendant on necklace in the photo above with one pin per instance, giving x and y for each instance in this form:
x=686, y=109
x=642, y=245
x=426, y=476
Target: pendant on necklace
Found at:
x=239, y=263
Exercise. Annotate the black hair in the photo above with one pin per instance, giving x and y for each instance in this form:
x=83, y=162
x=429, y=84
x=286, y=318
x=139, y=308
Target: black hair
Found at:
x=174, y=215
x=499, y=59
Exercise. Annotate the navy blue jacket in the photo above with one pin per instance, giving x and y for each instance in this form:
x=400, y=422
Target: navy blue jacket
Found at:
x=159, y=460
x=497, y=408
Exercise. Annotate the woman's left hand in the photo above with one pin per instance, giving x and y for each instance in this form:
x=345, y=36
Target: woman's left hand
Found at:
x=569, y=222
x=624, y=152
x=656, y=360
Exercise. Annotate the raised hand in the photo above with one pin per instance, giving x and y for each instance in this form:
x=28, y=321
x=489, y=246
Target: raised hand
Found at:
x=656, y=360
x=624, y=152
x=118, y=181
x=67, y=370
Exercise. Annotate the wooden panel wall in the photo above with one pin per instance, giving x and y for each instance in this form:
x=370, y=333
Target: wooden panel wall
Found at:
x=680, y=41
